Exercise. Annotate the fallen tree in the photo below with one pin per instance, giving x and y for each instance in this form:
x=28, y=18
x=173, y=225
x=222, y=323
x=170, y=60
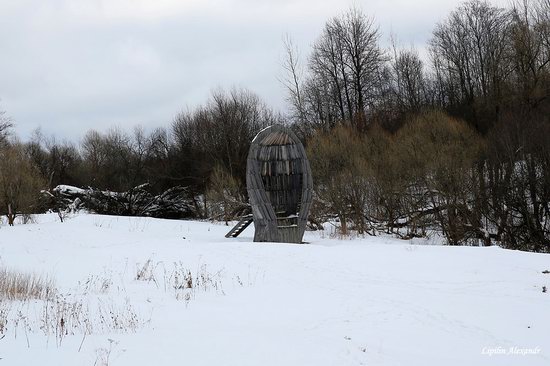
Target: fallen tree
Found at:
x=174, y=203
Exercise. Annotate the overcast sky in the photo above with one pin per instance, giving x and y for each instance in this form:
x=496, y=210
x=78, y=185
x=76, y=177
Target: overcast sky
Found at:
x=67, y=66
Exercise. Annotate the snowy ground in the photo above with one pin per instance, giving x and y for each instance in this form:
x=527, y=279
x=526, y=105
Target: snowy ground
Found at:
x=375, y=301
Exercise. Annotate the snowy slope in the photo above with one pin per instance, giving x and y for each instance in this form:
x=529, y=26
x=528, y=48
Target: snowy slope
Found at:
x=374, y=301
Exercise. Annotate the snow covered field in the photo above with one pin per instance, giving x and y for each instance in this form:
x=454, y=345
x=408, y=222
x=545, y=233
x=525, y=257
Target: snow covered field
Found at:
x=140, y=291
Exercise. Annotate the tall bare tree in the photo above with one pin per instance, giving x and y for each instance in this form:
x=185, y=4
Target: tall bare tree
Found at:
x=6, y=125
x=342, y=78
x=469, y=51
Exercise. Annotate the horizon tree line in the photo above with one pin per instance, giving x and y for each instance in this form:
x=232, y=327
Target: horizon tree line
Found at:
x=458, y=144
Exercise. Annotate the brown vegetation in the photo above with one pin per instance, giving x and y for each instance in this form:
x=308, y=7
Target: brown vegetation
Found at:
x=457, y=143
x=16, y=285
x=20, y=182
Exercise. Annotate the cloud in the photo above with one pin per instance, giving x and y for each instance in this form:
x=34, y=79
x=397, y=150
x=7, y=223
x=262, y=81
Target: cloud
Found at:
x=69, y=66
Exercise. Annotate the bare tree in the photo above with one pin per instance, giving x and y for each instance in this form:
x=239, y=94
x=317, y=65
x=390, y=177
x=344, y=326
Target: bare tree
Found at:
x=20, y=182
x=469, y=52
x=530, y=50
x=6, y=124
x=408, y=84
x=364, y=57
x=292, y=80
x=219, y=133
x=343, y=70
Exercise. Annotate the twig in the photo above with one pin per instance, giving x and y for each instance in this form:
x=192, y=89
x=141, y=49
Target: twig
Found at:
x=81, y=343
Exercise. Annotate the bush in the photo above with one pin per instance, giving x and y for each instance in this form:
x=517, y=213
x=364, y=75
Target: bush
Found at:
x=225, y=196
x=421, y=177
x=438, y=153
x=340, y=171
x=20, y=183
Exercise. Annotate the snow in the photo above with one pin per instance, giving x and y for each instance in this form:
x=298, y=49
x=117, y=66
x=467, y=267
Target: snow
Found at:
x=371, y=301
x=69, y=189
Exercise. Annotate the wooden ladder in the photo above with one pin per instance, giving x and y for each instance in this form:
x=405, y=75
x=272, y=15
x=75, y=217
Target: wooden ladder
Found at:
x=239, y=228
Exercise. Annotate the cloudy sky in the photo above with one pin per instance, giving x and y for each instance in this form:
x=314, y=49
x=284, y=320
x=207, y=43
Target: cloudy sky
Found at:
x=67, y=66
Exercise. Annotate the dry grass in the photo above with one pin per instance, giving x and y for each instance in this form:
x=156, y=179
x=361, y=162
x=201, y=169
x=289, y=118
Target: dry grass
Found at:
x=146, y=272
x=179, y=279
x=30, y=303
x=65, y=316
x=5, y=309
x=185, y=284
x=70, y=315
x=16, y=285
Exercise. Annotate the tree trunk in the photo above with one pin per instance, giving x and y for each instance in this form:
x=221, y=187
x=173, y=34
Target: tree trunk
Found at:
x=11, y=215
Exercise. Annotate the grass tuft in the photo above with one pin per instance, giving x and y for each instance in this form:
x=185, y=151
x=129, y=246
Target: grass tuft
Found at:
x=15, y=285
